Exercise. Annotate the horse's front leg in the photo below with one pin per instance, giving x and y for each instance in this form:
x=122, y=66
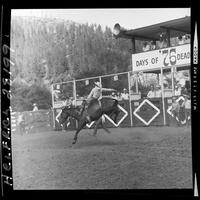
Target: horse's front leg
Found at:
x=116, y=115
x=104, y=127
x=81, y=124
x=96, y=126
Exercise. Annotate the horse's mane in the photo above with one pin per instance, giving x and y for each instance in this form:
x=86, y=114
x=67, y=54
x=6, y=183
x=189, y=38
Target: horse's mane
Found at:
x=73, y=111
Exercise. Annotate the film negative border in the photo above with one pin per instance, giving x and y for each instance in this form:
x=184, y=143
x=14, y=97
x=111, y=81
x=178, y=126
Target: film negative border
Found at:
x=195, y=106
x=6, y=160
x=6, y=149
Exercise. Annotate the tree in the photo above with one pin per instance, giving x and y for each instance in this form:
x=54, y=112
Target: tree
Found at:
x=70, y=50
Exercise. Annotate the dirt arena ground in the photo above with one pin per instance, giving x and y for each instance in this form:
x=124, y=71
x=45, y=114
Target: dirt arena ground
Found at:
x=128, y=158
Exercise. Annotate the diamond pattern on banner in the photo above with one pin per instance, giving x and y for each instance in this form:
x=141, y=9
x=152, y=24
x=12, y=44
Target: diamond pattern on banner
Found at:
x=121, y=120
x=145, y=121
x=90, y=124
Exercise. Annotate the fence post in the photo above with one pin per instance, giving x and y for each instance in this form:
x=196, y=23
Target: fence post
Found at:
x=100, y=84
x=163, y=97
x=130, y=106
x=172, y=77
x=52, y=95
x=74, y=93
x=136, y=82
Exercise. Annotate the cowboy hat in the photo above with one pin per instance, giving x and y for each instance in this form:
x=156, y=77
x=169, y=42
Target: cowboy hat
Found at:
x=97, y=84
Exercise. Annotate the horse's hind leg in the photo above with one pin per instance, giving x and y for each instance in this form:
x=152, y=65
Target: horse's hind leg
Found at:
x=100, y=121
x=96, y=126
x=80, y=126
x=105, y=128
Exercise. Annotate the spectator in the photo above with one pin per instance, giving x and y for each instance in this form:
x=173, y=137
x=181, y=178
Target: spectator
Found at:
x=68, y=102
x=180, y=40
x=177, y=91
x=114, y=95
x=21, y=124
x=146, y=47
x=151, y=93
x=175, y=110
x=73, y=101
x=158, y=92
x=182, y=81
x=162, y=42
x=187, y=39
x=119, y=96
x=125, y=95
x=153, y=45
x=56, y=94
x=184, y=91
x=187, y=86
x=35, y=108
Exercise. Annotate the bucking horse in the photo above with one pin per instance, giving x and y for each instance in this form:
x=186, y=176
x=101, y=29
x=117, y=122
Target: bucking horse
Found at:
x=95, y=110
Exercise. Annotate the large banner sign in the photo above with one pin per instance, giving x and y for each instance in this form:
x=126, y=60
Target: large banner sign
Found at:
x=167, y=57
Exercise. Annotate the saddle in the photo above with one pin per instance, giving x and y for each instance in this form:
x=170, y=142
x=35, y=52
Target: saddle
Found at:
x=90, y=107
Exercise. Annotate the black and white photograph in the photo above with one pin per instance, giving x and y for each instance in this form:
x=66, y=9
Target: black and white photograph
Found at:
x=101, y=98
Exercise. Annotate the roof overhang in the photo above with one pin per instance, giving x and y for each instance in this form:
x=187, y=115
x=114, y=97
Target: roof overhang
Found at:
x=152, y=32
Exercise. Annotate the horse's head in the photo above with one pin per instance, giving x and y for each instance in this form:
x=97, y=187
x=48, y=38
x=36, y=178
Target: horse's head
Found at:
x=68, y=112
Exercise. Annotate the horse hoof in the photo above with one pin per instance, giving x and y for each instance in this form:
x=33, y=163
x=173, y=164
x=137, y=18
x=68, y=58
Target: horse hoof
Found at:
x=73, y=142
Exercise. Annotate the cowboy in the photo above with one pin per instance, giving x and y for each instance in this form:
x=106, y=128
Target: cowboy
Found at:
x=95, y=94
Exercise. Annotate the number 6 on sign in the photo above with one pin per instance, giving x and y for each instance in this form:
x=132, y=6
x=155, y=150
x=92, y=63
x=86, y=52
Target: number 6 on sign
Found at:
x=172, y=56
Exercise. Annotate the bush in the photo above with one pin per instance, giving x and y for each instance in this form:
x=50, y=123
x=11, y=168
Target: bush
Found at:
x=23, y=97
